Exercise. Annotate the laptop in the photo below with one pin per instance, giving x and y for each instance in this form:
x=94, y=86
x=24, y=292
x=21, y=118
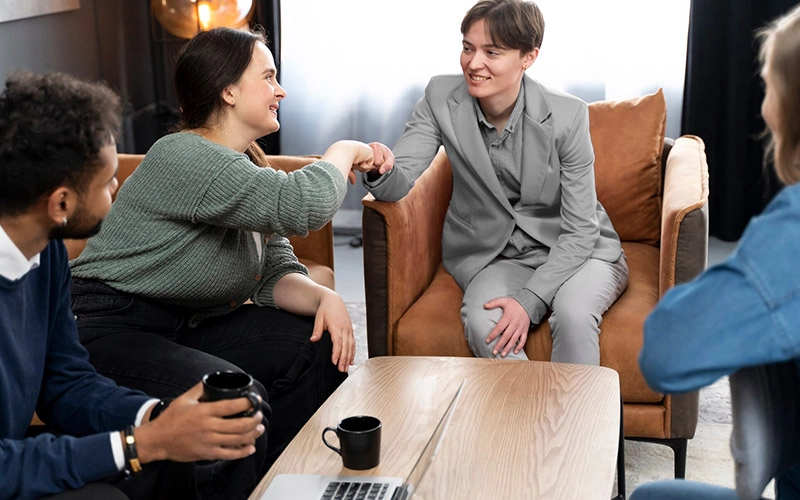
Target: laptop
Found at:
x=321, y=487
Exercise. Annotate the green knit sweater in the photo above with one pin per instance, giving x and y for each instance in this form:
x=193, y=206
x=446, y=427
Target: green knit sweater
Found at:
x=181, y=229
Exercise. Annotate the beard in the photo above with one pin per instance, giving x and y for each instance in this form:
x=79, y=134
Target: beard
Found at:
x=79, y=227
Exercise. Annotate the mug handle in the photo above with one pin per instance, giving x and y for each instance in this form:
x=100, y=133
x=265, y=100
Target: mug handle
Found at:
x=333, y=429
x=257, y=405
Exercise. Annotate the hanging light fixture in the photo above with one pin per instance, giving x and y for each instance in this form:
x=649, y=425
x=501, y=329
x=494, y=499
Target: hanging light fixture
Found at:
x=184, y=18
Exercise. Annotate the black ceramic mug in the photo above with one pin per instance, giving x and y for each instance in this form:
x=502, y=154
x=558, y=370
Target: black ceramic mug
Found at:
x=230, y=385
x=359, y=441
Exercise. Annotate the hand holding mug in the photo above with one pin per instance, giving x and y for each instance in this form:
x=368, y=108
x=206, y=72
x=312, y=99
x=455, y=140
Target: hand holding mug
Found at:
x=221, y=385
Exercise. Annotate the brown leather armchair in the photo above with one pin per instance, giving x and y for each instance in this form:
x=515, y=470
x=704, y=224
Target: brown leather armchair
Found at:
x=315, y=251
x=413, y=304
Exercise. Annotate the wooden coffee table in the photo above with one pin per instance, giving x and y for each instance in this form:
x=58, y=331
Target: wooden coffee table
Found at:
x=522, y=429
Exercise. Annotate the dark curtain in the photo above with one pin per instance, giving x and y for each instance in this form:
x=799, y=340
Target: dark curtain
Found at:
x=268, y=15
x=722, y=105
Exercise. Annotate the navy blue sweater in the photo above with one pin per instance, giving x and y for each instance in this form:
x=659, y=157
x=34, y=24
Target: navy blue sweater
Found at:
x=44, y=367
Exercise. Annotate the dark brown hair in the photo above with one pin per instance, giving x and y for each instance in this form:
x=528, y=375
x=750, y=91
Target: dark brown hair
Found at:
x=207, y=64
x=512, y=24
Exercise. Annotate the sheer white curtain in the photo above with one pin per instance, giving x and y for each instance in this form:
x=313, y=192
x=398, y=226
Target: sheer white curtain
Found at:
x=353, y=69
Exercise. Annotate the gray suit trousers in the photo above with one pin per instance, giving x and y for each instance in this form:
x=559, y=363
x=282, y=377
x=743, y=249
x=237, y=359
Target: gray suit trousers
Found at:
x=576, y=311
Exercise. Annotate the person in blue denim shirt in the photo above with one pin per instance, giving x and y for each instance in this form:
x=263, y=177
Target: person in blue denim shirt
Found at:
x=746, y=310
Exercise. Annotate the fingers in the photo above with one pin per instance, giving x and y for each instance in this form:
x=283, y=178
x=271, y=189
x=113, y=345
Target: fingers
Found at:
x=332, y=316
x=501, y=325
x=319, y=327
x=383, y=158
x=351, y=178
x=502, y=334
x=494, y=304
x=228, y=407
x=194, y=394
x=511, y=331
x=344, y=349
x=523, y=338
x=236, y=439
x=348, y=353
x=377, y=153
x=352, y=359
x=189, y=431
x=336, y=354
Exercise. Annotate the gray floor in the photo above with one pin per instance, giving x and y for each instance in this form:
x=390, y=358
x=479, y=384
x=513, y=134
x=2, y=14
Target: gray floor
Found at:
x=349, y=263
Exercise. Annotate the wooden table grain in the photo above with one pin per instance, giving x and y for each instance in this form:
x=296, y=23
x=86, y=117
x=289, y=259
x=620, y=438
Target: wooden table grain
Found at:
x=522, y=429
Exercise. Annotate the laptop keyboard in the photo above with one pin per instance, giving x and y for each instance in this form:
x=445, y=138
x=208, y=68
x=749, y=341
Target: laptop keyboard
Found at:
x=355, y=491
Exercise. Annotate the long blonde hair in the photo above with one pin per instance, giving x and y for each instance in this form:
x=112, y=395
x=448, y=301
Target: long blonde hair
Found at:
x=780, y=54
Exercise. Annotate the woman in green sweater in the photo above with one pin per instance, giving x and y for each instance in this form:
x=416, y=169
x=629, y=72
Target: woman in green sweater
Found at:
x=162, y=294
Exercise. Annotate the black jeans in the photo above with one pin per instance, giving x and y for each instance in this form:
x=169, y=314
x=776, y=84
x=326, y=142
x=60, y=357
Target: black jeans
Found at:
x=149, y=346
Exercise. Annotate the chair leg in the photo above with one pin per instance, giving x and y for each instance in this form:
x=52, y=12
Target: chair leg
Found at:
x=678, y=446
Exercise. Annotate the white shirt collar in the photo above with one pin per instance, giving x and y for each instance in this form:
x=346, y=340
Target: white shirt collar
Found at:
x=13, y=264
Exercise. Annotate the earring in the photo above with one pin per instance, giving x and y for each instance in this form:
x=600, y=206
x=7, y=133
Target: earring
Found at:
x=63, y=222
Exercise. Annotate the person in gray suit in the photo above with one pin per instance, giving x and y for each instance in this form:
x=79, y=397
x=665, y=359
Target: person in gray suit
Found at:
x=524, y=232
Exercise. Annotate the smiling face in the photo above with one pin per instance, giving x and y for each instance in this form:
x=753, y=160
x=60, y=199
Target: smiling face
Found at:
x=256, y=96
x=493, y=73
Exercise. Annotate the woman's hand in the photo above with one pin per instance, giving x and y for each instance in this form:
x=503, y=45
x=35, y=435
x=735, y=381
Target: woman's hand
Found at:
x=332, y=316
x=298, y=294
x=348, y=156
x=189, y=430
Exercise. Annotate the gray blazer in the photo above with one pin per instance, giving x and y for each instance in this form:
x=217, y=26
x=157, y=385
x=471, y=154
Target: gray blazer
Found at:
x=558, y=204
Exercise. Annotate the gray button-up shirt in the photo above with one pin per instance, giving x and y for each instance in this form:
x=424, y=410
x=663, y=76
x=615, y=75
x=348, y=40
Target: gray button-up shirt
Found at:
x=505, y=153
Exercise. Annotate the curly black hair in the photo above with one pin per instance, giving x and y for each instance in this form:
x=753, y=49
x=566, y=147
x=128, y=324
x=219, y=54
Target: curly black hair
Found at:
x=52, y=128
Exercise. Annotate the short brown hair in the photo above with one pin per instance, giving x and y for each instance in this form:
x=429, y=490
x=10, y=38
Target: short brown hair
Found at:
x=512, y=24
x=780, y=54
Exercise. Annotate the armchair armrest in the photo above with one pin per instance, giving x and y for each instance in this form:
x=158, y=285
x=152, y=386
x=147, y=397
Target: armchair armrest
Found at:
x=403, y=249
x=684, y=246
x=684, y=218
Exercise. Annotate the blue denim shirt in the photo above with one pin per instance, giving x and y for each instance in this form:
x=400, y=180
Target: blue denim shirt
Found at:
x=742, y=312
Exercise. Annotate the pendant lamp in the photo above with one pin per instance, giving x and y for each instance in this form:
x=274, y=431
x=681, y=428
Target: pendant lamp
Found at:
x=184, y=18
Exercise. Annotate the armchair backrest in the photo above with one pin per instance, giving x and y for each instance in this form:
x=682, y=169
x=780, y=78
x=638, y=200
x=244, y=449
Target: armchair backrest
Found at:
x=628, y=140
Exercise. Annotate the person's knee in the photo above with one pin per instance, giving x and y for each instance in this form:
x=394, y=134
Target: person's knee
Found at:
x=574, y=317
x=478, y=323
x=575, y=338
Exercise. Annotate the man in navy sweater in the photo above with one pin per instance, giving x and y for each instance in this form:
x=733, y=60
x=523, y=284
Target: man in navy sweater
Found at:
x=58, y=167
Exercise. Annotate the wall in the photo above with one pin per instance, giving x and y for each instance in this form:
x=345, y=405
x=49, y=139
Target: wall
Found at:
x=103, y=40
